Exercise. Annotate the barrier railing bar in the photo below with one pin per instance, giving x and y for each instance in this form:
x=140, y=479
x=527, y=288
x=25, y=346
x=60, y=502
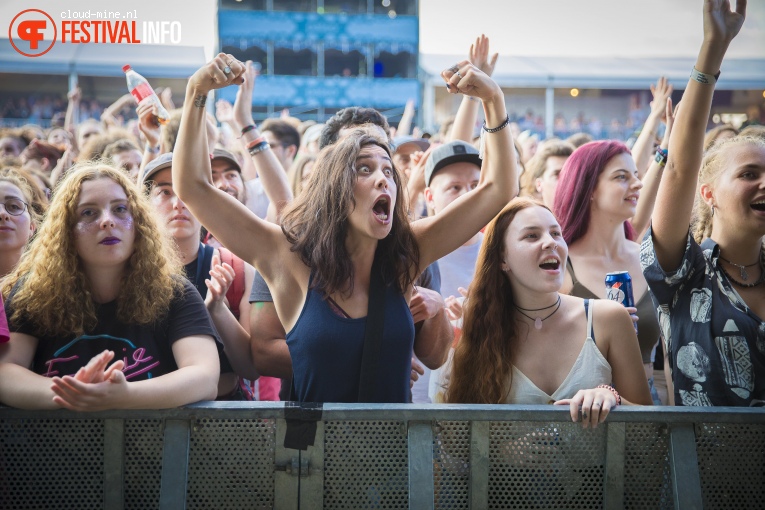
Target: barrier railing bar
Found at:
x=684, y=467
x=421, y=488
x=175, y=465
x=613, y=484
x=415, y=412
x=114, y=463
x=479, y=465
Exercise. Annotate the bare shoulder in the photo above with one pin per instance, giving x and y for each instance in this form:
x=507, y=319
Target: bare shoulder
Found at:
x=611, y=321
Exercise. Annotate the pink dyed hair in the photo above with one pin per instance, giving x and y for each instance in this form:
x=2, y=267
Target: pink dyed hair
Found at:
x=576, y=184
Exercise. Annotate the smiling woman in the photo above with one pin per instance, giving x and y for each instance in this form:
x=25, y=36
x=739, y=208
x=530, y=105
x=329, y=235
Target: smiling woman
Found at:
x=525, y=343
x=597, y=193
x=78, y=300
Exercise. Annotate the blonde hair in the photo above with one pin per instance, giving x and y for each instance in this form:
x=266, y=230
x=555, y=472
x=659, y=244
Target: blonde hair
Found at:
x=711, y=167
x=51, y=285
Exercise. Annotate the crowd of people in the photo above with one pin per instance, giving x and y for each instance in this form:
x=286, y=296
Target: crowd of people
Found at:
x=149, y=265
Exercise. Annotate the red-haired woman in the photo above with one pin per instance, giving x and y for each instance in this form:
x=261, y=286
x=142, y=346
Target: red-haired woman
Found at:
x=597, y=194
x=523, y=342
x=709, y=287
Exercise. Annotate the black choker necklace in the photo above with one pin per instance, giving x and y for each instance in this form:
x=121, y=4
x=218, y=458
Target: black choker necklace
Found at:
x=742, y=268
x=538, y=320
x=745, y=285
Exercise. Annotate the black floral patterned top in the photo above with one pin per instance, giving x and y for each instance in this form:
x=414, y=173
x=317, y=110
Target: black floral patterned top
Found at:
x=716, y=343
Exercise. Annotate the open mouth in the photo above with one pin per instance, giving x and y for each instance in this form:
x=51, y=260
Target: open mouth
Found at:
x=550, y=264
x=759, y=205
x=382, y=208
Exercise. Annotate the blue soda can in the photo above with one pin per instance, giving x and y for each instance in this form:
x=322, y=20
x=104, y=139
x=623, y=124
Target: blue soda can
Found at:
x=619, y=288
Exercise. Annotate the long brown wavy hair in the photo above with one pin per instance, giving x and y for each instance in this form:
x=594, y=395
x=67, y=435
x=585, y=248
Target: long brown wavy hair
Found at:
x=483, y=359
x=316, y=224
x=51, y=286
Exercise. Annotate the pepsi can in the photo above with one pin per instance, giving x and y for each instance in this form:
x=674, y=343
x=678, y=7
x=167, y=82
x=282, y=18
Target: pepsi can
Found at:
x=619, y=288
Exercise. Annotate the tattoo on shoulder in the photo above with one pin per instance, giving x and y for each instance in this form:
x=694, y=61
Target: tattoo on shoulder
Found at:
x=200, y=101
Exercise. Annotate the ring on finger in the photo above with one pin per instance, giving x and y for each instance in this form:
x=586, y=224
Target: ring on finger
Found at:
x=454, y=69
x=227, y=70
x=458, y=74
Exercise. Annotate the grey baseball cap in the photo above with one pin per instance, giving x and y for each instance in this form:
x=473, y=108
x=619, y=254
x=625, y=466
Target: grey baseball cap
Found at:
x=421, y=143
x=447, y=154
x=155, y=165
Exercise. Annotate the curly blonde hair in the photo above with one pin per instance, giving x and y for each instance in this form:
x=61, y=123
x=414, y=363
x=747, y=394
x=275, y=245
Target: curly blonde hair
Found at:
x=711, y=167
x=51, y=286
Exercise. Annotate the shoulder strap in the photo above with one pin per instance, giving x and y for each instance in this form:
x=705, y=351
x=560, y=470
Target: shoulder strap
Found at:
x=570, y=268
x=236, y=290
x=204, y=261
x=373, y=332
x=588, y=306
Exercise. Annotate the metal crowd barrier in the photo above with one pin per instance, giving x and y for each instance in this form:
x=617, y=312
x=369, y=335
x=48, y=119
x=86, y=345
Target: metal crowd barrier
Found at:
x=221, y=455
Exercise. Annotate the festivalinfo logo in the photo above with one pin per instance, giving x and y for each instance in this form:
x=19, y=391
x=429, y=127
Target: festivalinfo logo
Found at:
x=34, y=32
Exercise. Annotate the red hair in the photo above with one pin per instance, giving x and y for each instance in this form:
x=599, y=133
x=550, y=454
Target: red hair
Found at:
x=576, y=184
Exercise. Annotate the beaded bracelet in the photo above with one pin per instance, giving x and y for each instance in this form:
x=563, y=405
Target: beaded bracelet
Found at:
x=612, y=390
x=246, y=129
x=498, y=128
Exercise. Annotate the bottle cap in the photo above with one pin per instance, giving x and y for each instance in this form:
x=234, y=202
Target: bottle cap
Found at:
x=126, y=68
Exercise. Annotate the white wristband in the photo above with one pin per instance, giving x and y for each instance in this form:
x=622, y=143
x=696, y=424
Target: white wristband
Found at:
x=706, y=79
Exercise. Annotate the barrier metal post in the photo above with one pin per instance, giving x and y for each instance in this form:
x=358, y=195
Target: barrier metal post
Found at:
x=421, y=488
x=175, y=465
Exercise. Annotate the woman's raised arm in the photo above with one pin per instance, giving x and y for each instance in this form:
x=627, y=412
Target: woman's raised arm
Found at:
x=462, y=219
x=219, y=212
x=674, y=203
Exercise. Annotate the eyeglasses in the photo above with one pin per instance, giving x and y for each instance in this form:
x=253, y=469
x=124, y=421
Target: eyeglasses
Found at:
x=14, y=206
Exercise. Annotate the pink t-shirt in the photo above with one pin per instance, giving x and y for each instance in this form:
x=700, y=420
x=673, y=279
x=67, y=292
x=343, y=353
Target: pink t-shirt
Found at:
x=4, y=333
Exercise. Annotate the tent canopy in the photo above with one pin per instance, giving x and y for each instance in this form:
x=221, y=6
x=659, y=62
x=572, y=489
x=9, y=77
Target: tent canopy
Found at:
x=160, y=61
x=602, y=72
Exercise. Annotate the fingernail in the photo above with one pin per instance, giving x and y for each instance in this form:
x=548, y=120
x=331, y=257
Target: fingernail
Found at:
x=448, y=87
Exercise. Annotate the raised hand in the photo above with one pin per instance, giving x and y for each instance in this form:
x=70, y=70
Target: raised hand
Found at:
x=479, y=55
x=243, y=102
x=75, y=94
x=147, y=122
x=467, y=79
x=213, y=75
x=224, y=111
x=660, y=92
x=669, y=115
x=721, y=24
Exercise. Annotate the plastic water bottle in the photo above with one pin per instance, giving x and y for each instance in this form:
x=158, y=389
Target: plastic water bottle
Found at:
x=142, y=91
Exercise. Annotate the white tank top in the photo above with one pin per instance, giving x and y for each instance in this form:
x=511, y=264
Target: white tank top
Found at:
x=589, y=370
